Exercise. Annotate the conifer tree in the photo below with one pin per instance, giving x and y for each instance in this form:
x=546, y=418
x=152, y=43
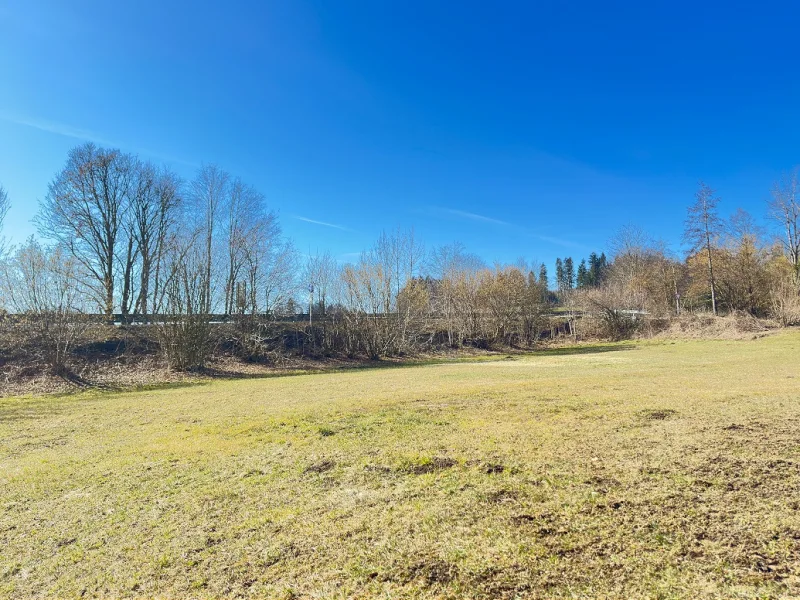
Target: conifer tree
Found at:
x=583, y=275
x=559, y=274
x=593, y=278
x=569, y=273
x=543, y=283
x=602, y=266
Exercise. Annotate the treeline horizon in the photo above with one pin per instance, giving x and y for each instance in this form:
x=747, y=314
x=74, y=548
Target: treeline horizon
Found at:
x=119, y=235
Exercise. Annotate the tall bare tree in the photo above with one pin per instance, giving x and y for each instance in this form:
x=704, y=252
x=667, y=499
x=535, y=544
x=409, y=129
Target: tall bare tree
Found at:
x=249, y=229
x=264, y=263
x=83, y=211
x=155, y=208
x=277, y=274
x=702, y=230
x=318, y=276
x=209, y=193
x=784, y=209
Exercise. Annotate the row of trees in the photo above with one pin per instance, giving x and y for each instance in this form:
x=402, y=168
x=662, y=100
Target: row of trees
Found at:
x=732, y=265
x=588, y=276
x=739, y=246
x=137, y=231
x=122, y=235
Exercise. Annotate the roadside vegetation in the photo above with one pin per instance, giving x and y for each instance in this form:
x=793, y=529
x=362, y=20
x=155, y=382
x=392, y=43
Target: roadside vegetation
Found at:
x=137, y=276
x=634, y=469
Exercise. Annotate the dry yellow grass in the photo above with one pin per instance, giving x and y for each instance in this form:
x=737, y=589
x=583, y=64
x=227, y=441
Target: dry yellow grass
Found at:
x=666, y=469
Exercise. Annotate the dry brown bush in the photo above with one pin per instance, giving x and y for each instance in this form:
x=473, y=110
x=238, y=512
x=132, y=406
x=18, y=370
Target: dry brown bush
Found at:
x=736, y=325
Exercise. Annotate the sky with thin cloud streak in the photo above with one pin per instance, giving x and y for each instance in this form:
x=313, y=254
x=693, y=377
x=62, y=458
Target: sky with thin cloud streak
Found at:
x=323, y=223
x=530, y=130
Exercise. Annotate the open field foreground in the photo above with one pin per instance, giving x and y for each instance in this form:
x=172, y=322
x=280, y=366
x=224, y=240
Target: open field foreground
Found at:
x=667, y=469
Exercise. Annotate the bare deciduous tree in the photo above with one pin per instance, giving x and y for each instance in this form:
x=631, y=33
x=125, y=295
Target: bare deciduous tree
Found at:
x=83, y=212
x=155, y=206
x=185, y=326
x=702, y=231
x=249, y=231
x=454, y=271
x=643, y=275
x=318, y=276
x=277, y=275
x=209, y=193
x=42, y=285
x=784, y=209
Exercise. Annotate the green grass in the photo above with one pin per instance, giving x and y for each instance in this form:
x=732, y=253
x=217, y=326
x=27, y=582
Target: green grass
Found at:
x=622, y=470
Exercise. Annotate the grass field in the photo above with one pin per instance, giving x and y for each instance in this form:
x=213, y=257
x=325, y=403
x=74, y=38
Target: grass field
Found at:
x=664, y=470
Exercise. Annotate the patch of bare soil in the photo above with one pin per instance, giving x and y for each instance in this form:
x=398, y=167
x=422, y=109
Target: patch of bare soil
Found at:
x=321, y=467
x=429, y=572
x=437, y=463
x=657, y=414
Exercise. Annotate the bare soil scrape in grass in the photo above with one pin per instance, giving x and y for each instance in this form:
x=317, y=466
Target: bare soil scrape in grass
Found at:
x=429, y=465
x=657, y=470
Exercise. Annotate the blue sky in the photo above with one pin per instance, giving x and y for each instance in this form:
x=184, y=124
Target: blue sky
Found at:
x=528, y=129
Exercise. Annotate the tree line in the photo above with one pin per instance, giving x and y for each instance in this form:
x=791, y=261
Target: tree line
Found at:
x=119, y=235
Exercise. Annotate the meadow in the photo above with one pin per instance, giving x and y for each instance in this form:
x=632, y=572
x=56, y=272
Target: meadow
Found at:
x=658, y=469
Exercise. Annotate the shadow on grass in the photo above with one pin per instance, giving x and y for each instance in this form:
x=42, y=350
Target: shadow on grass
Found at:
x=593, y=349
x=87, y=389
x=37, y=406
x=211, y=374
x=28, y=409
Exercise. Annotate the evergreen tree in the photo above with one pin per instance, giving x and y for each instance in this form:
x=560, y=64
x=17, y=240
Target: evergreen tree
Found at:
x=569, y=273
x=559, y=274
x=594, y=266
x=583, y=275
x=543, y=277
x=543, y=284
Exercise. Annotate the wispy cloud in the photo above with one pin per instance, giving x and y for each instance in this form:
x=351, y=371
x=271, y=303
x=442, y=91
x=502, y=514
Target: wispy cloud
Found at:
x=57, y=128
x=323, y=223
x=85, y=135
x=516, y=228
x=474, y=216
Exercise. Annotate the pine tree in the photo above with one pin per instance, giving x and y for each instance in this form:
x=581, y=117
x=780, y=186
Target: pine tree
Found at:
x=583, y=275
x=602, y=266
x=593, y=276
x=559, y=274
x=569, y=273
x=543, y=277
x=543, y=283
